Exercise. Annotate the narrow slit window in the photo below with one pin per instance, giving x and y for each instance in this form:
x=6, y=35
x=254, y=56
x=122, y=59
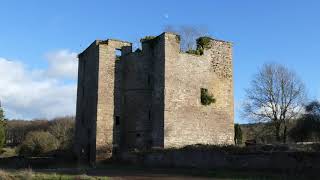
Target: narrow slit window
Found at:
x=117, y=120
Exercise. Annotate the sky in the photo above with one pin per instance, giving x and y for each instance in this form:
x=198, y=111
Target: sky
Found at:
x=40, y=40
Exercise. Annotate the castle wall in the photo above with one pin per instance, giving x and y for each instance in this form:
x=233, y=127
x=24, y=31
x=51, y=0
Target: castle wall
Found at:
x=136, y=99
x=186, y=120
x=109, y=95
x=86, y=115
x=98, y=99
x=152, y=98
x=143, y=95
x=158, y=93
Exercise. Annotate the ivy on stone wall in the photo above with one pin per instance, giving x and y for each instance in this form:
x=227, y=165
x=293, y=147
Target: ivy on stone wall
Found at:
x=196, y=52
x=206, y=98
x=237, y=134
x=202, y=43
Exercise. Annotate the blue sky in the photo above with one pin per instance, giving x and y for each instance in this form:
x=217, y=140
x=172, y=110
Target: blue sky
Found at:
x=37, y=35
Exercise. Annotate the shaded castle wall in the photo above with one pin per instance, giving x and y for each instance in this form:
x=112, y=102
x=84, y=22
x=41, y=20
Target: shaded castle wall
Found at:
x=86, y=115
x=143, y=96
x=186, y=120
x=98, y=95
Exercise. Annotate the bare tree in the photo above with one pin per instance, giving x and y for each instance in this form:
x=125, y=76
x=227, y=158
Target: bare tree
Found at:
x=63, y=129
x=276, y=95
x=188, y=35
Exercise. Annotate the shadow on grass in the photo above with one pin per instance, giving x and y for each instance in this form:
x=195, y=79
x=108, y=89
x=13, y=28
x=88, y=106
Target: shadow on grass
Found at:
x=68, y=168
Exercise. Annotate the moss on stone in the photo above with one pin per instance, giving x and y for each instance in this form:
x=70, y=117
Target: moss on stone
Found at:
x=147, y=38
x=151, y=40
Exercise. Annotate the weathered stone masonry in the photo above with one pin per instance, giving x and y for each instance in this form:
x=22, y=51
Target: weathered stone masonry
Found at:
x=151, y=98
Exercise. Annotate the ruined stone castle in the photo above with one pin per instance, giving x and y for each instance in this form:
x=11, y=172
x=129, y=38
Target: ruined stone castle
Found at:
x=152, y=98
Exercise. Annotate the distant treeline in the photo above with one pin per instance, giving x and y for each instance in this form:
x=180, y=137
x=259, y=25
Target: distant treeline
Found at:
x=304, y=129
x=40, y=136
x=17, y=130
x=263, y=133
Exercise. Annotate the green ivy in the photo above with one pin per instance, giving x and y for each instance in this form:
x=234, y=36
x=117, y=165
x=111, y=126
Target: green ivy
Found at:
x=192, y=51
x=206, y=98
x=237, y=134
x=202, y=43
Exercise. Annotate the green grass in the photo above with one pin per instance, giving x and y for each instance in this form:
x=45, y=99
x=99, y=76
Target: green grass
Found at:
x=127, y=171
x=8, y=152
x=28, y=174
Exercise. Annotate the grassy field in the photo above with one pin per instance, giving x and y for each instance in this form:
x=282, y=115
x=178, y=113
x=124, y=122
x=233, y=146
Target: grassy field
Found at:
x=28, y=174
x=111, y=172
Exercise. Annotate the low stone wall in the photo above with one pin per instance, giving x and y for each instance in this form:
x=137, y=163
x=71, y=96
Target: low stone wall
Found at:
x=222, y=160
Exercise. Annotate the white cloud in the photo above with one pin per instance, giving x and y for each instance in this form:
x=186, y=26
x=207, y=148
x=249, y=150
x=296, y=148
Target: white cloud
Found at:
x=62, y=64
x=39, y=93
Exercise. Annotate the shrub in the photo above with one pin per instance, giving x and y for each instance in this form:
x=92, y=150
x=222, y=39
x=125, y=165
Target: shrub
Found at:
x=202, y=43
x=196, y=52
x=26, y=174
x=16, y=130
x=5, y=176
x=37, y=143
x=237, y=134
x=2, y=133
x=206, y=98
x=306, y=129
x=63, y=130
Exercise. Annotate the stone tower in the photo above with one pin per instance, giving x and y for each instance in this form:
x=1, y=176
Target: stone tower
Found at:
x=152, y=98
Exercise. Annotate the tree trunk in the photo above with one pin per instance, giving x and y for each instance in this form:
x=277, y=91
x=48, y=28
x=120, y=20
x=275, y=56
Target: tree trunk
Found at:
x=285, y=134
x=277, y=131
